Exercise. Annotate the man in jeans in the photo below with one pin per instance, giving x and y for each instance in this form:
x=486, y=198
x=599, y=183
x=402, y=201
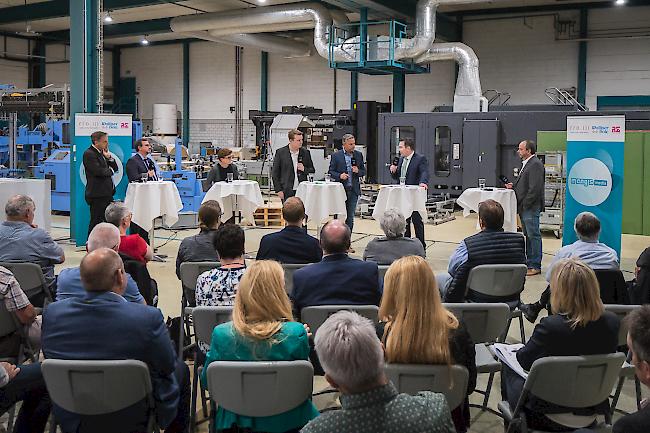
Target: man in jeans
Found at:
x=529, y=188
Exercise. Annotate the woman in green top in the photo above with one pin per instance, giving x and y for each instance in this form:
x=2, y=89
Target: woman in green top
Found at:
x=262, y=329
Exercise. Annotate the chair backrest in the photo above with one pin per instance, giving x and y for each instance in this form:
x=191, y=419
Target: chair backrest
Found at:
x=8, y=322
x=29, y=276
x=96, y=387
x=190, y=272
x=382, y=271
x=485, y=322
x=448, y=380
x=497, y=280
x=289, y=269
x=207, y=318
x=613, y=289
x=574, y=381
x=621, y=311
x=317, y=315
x=260, y=388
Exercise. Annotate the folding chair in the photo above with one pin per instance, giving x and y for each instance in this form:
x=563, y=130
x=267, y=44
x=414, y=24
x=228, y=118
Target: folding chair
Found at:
x=99, y=387
x=289, y=269
x=627, y=371
x=613, y=289
x=382, y=271
x=504, y=283
x=448, y=380
x=205, y=319
x=317, y=315
x=259, y=388
x=31, y=280
x=486, y=324
x=570, y=381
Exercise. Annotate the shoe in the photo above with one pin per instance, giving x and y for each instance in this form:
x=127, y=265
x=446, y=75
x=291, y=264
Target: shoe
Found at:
x=532, y=272
x=530, y=311
x=351, y=250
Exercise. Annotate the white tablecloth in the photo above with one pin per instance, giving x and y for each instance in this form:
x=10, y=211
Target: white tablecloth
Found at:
x=239, y=195
x=322, y=199
x=406, y=199
x=471, y=197
x=150, y=200
x=38, y=190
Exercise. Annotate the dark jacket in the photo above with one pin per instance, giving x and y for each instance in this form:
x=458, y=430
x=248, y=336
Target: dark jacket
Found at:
x=290, y=245
x=638, y=422
x=529, y=186
x=336, y=280
x=220, y=174
x=417, y=171
x=282, y=171
x=338, y=166
x=640, y=286
x=98, y=174
x=197, y=248
x=138, y=271
x=136, y=166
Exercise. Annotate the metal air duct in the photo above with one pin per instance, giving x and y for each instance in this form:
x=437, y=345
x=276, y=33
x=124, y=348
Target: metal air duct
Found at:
x=273, y=44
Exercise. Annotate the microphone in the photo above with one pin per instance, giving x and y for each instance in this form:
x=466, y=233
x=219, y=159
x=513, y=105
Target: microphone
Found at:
x=299, y=158
x=152, y=166
x=396, y=160
x=504, y=179
x=353, y=162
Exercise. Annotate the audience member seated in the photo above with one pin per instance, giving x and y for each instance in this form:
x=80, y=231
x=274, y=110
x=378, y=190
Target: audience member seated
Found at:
x=292, y=244
x=22, y=241
x=24, y=383
x=587, y=248
x=386, y=249
x=416, y=328
x=337, y=279
x=262, y=329
x=16, y=302
x=491, y=246
x=582, y=328
x=640, y=286
x=200, y=247
x=638, y=340
x=104, y=326
x=132, y=245
x=353, y=360
x=104, y=235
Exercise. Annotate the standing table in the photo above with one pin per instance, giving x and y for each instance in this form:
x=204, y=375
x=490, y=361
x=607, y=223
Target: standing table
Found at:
x=237, y=196
x=405, y=198
x=322, y=199
x=471, y=197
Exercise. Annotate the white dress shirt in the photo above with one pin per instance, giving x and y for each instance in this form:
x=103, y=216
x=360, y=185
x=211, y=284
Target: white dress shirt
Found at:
x=294, y=159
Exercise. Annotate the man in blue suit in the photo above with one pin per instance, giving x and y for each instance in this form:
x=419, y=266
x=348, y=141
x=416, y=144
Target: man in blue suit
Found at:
x=337, y=279
x=347, y=167
x=414, y=167
x=104, y=326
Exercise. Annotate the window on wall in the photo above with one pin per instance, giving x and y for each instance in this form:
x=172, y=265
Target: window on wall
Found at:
x=442, y=151
x=400, y=133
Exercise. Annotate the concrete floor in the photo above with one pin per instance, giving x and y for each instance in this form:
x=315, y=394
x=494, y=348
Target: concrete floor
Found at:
x=441, y=241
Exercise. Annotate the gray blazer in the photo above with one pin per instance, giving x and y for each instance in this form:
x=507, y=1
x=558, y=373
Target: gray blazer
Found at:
x=384, y=251
x=529, y=186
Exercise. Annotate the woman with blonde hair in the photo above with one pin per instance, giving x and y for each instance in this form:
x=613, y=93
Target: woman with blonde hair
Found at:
x=262, y=329
x=580, y=326
x=417, y=329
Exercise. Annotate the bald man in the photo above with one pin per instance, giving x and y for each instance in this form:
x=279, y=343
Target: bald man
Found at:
x=104, y=326
x=337, y=279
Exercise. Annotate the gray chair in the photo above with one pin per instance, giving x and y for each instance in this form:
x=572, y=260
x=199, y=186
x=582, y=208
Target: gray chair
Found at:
x=31, y=279
x=500, y=282
x=570, y=381
x=448, y=380
x=259, y=388
x=99, y=387
x=317, y=315
x=382, y=271
x=627, y=371
x=11, y=328
x=289, y=269
x=485, y=324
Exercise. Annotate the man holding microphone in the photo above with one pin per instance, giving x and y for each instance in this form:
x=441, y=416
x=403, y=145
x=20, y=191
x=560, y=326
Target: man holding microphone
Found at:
x=100, y=167
x=291, y=165
x=347, y=167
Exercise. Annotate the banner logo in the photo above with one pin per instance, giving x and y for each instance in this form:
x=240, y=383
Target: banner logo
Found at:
x=589, y=182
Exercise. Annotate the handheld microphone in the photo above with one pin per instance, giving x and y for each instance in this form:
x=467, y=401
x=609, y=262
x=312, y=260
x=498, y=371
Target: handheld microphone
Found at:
x=299, y=159
x=504, y=179
x=353, y=162
x=396, y=160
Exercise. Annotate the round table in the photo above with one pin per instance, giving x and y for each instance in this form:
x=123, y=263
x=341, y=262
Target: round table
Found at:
x=150, y=200
x=405, y=198
x=38, y=190
x=471, y=197
x=237, y=196
x=322, y=199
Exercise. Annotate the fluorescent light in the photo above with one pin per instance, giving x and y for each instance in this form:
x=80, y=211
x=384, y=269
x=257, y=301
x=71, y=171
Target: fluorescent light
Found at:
x=144, y=40
x=108, y=18
x=620, y=2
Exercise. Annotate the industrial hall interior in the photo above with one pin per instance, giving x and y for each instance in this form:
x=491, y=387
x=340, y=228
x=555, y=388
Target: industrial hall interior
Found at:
x=337, y=216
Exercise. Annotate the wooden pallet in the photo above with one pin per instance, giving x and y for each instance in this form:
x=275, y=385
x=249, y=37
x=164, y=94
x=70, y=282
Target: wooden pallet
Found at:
x=269, y=217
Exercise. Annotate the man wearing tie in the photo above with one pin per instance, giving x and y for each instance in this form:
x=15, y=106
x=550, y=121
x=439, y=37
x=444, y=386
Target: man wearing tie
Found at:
x=347, y=167
x=414, y=168
x=136, y=167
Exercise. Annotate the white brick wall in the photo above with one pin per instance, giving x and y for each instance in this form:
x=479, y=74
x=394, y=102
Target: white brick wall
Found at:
x=14, y=72
x=376, y=88
x=426, y=91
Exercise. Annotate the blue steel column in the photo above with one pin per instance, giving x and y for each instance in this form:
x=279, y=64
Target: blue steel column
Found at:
x=354, y=88
x=83, y=85
x=186, y=93
x=264, y=81
x=582, y=55
x=117, y=74
x=399, y=87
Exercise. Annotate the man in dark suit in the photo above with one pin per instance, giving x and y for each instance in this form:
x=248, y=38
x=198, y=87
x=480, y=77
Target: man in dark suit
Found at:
x=104, y=326
x=414, y=168
x=529, y=188
x=99, y=166
x=337, y=279
x=137, y=166
x=291, y=165
x=347, y=167
x=291, y=244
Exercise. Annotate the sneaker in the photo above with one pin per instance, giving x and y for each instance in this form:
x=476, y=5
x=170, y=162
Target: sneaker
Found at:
x=532, y=272
x=530, y=311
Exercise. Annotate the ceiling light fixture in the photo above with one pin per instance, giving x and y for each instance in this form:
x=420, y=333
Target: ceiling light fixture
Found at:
x=620, y=2
x=108, y=18
x=144, y=40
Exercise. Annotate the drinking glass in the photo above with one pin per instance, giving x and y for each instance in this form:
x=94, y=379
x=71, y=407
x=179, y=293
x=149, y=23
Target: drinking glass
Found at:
x=229, y=177
x=402, y=181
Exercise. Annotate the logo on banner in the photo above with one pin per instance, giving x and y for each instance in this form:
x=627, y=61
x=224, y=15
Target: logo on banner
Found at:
x=590, y=182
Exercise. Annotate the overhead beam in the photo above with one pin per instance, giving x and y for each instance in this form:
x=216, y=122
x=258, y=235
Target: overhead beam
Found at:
x=149, y=27
x=547, y=8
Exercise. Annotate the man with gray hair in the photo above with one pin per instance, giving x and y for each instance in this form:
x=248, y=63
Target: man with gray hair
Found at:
x=23, y=241
x=386, y=249
x=587, y=248
x=347, y=167
x=132, y=245
x=103, y=235
x=353, y=360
